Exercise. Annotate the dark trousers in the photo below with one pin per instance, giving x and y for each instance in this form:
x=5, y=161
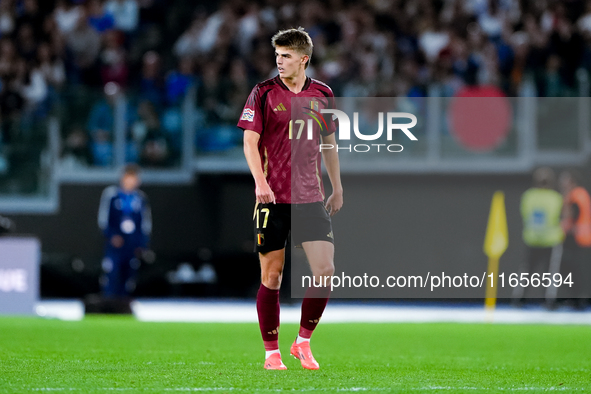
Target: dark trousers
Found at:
x=538, y=261
x=576, y=260
x=120, y=267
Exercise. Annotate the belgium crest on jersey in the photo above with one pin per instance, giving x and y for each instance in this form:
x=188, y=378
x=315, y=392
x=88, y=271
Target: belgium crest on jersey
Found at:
x=314, y=105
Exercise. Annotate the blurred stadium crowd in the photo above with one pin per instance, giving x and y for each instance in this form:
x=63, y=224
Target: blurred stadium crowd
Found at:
x=75, y=58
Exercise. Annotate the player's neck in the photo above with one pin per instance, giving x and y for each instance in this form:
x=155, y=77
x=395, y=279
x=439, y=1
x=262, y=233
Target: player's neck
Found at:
x=295, y=83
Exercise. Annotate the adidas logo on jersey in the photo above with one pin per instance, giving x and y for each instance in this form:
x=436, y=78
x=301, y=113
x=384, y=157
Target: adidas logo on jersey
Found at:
x=280, y=107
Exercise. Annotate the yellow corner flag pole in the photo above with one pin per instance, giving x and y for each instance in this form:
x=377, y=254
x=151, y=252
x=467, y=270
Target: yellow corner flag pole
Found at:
x=495, y=244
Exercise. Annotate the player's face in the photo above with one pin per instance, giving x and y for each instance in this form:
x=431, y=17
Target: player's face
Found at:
x=289, y=62
x=130, y=182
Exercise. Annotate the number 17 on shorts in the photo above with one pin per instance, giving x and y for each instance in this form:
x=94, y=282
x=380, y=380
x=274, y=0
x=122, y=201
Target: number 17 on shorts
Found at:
x=271, y=226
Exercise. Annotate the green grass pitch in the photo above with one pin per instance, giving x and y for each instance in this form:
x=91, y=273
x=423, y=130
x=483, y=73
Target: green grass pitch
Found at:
x=119, y=354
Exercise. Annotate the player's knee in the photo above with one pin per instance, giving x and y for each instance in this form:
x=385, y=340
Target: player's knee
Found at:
x=272, y=280
x=326, y=270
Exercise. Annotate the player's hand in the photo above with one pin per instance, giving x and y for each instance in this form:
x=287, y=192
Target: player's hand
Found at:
x=117, y=241
x=334, y=202
x=264, y=194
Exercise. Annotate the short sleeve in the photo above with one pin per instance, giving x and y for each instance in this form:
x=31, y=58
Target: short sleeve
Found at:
x=330, y=120
x=252, y=114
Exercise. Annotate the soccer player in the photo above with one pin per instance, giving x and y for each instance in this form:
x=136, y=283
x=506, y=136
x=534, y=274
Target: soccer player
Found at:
x=282, y=204
x=125, y=219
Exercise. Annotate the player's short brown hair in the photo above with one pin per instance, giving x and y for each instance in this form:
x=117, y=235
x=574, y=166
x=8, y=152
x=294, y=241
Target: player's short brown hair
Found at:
x=295, y=39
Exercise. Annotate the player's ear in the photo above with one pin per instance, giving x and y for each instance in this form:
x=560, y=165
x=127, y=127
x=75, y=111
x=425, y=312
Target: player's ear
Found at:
x=305, y=59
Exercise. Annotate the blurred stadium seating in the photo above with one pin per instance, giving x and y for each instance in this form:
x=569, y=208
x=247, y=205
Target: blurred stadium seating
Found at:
x=115, y=76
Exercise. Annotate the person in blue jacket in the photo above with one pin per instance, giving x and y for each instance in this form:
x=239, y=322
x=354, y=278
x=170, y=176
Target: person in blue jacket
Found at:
x=126, y=222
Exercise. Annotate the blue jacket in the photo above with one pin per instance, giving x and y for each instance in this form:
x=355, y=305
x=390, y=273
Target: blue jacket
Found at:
x=127, y=215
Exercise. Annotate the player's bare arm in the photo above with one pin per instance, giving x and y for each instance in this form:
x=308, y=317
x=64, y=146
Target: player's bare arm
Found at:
x=263, y=192
x=331, y=162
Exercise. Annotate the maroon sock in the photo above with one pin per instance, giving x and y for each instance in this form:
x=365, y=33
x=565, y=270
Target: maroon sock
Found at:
x=268, y=311
x=315, y=301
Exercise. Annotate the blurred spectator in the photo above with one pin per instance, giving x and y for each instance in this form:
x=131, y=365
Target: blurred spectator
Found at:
x=148, y=135
x=248, y=27
x=237, y=87
x=31, y=84
x=152, y=11
x=51, y=66
x=26, y=43
x=541, y=207
x=584, y=22
x=76, y=152
x=584, y=26
x=433, y=38
x=151, y=84
x=125, y=12
x=84, y=43
x=8, y=57
x=263, y=70
x=54, y=38
x=188, y=43
x=101, y=149
x=113, y=59
x=208, y=33
x=100, y=20
x=211, y=94
x=179, y=81
x=156, y=151
x=538, y=52
x=67, y=15
x=492, y=19
x=147, y=121
x=102, y=116
x=566, y=46
x=519, y=42
x=488, y=71
x=100, y=125
x=11, y=104
x=32, y=17
x=7, y=22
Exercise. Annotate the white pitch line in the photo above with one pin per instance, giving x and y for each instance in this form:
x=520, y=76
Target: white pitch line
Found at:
x=339, y=389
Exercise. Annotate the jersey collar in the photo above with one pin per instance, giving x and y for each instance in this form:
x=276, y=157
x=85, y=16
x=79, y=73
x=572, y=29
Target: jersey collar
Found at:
x=305, y=87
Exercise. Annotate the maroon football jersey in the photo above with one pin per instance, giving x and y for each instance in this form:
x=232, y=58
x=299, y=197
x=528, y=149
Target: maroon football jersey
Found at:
x=289, y=145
